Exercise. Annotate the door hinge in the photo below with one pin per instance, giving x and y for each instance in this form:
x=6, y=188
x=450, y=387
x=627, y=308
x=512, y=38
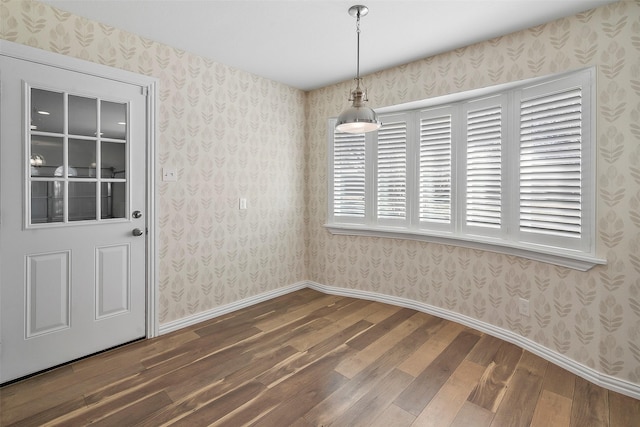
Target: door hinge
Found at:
x=144, y=90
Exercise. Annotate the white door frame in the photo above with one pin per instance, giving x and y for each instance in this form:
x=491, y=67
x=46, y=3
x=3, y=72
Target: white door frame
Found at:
x=148, y=84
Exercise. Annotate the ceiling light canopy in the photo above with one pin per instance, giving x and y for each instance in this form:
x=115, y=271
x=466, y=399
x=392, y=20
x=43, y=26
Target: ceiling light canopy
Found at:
x=358, y=118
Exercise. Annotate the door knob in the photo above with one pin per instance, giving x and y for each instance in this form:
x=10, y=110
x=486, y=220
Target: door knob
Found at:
x=137, y=232
x=137, y=214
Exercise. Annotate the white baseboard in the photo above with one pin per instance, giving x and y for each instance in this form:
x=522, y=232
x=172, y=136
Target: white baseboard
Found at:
x=194, y=319
x=589, y=374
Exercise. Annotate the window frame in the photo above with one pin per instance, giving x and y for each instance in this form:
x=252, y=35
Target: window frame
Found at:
x=508, y=238
x=65, y=180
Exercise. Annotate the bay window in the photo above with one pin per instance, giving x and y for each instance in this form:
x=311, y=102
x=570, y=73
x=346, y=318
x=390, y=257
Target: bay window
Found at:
x=510, y=169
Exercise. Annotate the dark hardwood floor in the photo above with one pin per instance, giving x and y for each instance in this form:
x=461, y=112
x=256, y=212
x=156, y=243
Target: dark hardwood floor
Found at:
x=309, y=359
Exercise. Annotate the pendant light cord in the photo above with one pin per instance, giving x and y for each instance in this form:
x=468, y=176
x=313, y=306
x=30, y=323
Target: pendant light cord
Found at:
x=358, y=48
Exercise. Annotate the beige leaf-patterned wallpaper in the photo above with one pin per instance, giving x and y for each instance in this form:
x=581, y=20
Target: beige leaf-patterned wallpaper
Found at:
x=231, y=134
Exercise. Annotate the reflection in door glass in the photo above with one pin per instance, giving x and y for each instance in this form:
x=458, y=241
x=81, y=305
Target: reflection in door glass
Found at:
x=83, y=116
x=77, y=146
x=47, y=201
x=113, y=200
x=82, y=157
x=47, y=111
x=114, y=157
x=46, y=155
x=82, y=201
x=113, y=120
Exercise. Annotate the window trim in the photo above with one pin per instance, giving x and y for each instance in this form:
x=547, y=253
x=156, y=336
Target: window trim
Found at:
x=460, y=234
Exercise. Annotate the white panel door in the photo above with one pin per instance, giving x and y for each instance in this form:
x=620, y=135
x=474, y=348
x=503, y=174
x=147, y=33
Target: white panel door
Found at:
x=72, y=221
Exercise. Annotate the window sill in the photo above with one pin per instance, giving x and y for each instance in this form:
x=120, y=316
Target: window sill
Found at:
x=574, y=260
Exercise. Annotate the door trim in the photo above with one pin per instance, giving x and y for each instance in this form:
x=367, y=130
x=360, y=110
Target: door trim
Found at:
x=150, y=87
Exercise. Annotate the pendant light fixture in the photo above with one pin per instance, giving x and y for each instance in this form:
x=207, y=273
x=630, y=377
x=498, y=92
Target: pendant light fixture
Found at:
x=358, y=118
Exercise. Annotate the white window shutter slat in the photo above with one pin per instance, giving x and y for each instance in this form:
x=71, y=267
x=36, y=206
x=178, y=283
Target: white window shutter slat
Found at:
x=484, y=131
x=348, y=175
x=392, y=169
x=551, y=163
x=434, y=168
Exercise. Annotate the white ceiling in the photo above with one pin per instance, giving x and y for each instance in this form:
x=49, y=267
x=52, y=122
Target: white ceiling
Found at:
x=309, y=44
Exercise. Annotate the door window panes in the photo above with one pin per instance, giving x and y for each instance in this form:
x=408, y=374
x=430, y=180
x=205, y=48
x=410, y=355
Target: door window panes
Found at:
x=77, y=157
x=82, y=157
x=46, y=155
x=47, y=202
x=113, y=160
x=113, y=120
x=47, y=111
x=83, y=116
x=82, y=201
x=113, y=203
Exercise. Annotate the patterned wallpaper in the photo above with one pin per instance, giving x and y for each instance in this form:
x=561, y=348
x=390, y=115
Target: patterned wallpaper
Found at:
x=229, y=134
x=591, y=317
x=212, y=254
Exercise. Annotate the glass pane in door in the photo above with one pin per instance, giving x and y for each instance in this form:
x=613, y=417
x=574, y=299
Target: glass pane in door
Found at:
x=46, y=155
x=82, y=201
x=114, y=157
x=113, y=203
x=83, y=116
x=113, y=120
x=47, y=111
x=47, y=202
x=82, y=158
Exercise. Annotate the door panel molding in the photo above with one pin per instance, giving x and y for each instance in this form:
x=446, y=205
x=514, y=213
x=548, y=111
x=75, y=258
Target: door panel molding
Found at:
x=112, y=266
x=47, y=293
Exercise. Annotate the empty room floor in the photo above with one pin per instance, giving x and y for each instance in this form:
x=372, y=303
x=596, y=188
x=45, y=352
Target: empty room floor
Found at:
x=311, y=359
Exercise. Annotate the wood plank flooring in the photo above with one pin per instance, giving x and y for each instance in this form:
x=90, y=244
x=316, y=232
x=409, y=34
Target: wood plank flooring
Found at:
x=309, y=359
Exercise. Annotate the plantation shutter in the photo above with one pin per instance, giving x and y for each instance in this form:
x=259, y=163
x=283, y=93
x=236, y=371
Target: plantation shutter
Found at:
x=551, y=162
x=392, y=169
x=484, y=124
x=434, y=174
x=510, y=169
x=348, y=175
